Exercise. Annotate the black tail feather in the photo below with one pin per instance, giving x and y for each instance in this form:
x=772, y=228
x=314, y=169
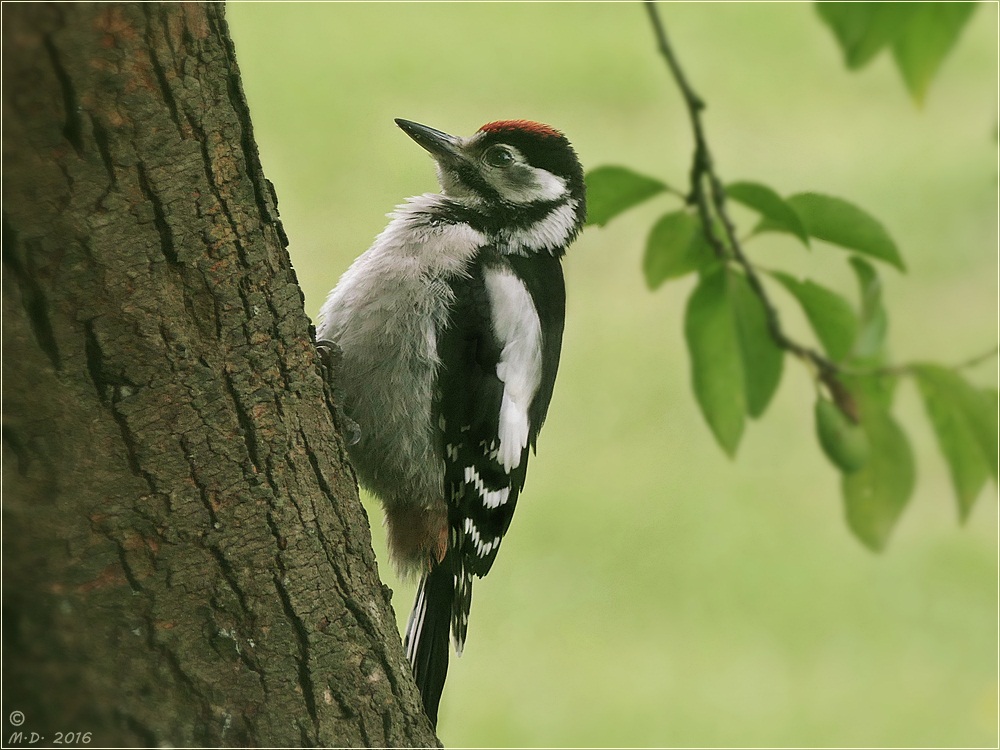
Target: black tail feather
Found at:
x=427, y=634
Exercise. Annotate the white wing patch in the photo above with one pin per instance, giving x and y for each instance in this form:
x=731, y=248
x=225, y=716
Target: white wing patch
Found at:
x=516, y=324
x=490, y=498
x=541, y=185
x=483, y=548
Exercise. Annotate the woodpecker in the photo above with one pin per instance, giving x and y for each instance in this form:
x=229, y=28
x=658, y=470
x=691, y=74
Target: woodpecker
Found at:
x=450, y=327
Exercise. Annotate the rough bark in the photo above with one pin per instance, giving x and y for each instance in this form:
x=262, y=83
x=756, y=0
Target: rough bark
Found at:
x=185, y=558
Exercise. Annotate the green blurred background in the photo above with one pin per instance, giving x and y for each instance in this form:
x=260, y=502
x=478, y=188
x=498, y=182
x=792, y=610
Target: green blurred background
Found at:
x=652, y=592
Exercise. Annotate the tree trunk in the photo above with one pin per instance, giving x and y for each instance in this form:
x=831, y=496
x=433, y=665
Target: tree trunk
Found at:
x=186, y=561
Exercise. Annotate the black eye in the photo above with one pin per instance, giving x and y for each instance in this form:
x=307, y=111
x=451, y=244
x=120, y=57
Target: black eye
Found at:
x=498, y=156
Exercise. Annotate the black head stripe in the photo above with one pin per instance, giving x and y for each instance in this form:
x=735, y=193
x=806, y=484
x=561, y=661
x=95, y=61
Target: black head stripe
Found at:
x=501, y=217
x=547, y=149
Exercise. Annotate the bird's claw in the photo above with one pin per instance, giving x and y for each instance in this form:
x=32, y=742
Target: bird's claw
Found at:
x=331, y=358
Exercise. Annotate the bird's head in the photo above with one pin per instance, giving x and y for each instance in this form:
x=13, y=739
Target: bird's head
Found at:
x=509, y=164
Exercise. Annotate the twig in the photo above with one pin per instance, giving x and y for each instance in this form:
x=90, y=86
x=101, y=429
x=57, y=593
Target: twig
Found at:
x=978, y=359
x=702, y=164
x=711, y=205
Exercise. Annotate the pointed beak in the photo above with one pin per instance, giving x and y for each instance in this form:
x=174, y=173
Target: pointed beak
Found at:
x=443, y=147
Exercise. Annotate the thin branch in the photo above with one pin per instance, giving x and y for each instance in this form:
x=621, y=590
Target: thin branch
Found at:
x=978, y=359
x=702, y=164
x=713, y=202
x=908, y=368
x=709, y=198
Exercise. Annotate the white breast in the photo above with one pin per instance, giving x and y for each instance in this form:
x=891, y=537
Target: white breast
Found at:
x=385, y=313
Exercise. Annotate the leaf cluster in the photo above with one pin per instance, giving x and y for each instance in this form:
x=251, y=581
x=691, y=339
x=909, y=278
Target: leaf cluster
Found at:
x=920, y=35
x=737, y=349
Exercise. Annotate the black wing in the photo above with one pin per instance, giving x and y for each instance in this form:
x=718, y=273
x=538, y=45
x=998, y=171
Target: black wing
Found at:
x=480, y=490
x=482, y=493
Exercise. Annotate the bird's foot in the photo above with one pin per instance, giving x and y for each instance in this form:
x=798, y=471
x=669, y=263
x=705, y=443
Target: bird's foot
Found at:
x=331, y=358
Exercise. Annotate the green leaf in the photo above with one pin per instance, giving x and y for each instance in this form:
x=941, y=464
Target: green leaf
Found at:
x=876, y=495
x=612, y=190
x=870, y=342
x=841, y=223
x=984, y=424
x=869, y=284
x=874, y=321
x=929, y=34
x=863, y=29
x=735, y=365
x=921, y=34
x=843, y=442
x=716, y=367
x=960, y=413
x=675, y=246
x=761, y=358
x=769, y=205
x=830, y=315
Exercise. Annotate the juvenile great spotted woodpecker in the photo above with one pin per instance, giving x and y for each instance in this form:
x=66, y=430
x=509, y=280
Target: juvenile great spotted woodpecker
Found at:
x=450, y=328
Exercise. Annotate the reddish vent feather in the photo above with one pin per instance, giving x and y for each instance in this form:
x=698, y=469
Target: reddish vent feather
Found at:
x=524, y=126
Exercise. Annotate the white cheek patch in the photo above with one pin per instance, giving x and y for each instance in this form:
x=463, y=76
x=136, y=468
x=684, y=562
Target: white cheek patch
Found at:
x=549, y=187
x=516, y=324
x=540, y=185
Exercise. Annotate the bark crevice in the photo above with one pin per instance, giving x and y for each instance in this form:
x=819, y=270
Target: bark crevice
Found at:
x=72, y=125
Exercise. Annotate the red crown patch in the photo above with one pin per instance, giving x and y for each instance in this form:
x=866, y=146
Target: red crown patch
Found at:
x=523, y=126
